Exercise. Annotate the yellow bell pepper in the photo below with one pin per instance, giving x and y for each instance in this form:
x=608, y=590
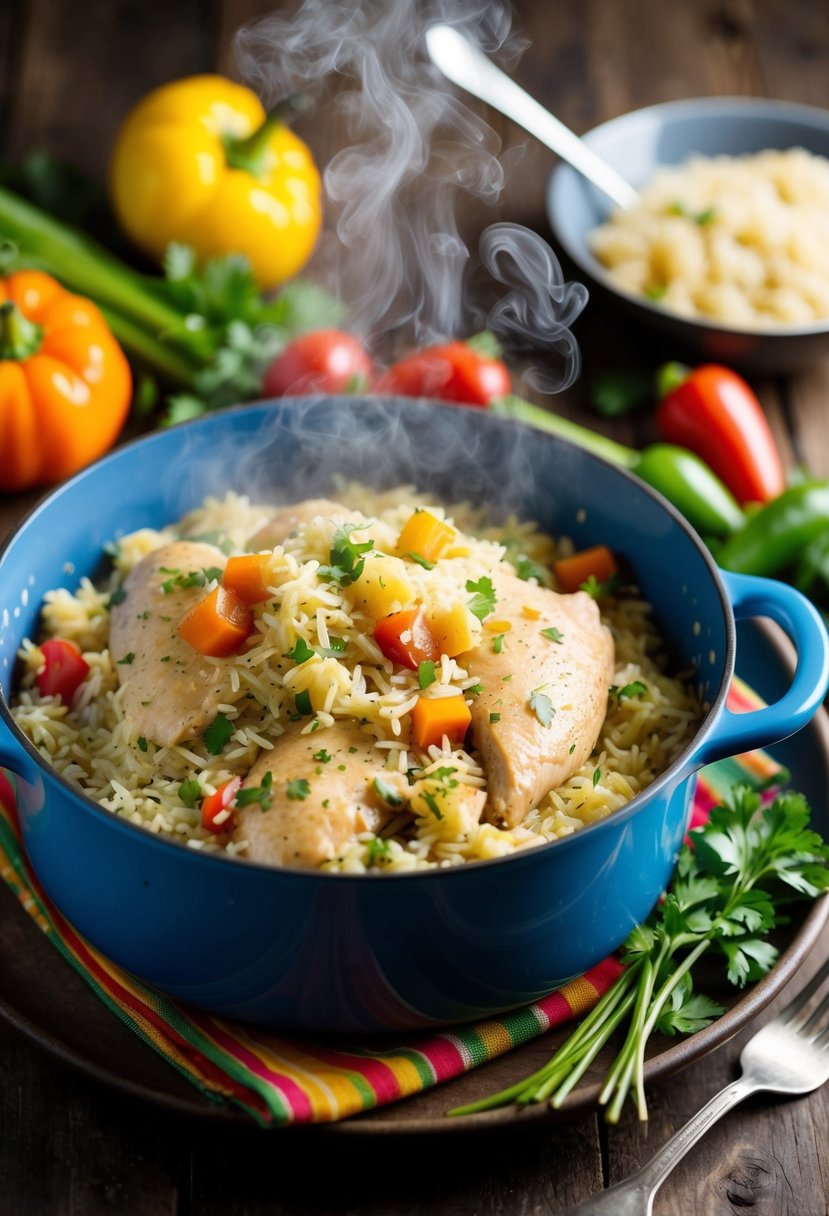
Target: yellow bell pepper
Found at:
x=200, y=162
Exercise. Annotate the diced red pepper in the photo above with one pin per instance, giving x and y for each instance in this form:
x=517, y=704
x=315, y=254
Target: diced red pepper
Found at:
x=405, y=638
x=217, y=813
x=64, y=669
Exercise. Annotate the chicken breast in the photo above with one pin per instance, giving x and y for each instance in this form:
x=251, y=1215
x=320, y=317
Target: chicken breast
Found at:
x=286, y=519
x=171, y=692
x=322, y=795
x=530, y=745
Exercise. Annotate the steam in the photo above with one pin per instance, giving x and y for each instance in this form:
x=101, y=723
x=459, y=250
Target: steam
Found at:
x=417, y=161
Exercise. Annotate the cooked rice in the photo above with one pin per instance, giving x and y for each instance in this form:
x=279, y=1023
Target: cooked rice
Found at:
x=94, y=746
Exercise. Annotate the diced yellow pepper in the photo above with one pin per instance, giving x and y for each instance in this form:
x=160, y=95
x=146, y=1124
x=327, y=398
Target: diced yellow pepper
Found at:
x=382, y=588
x=455, y=629
x=497, y=626
x=452, y=810
x=426, y=535
x=531, y=613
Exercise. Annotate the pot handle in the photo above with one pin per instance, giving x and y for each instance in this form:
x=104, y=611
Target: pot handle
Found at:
x=752, y=596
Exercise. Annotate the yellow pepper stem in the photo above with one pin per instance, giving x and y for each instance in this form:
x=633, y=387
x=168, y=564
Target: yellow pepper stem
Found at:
x=19, y=337
x=250, y=154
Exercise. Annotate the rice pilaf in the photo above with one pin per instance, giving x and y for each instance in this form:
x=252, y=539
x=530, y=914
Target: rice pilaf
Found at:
x=651, y=716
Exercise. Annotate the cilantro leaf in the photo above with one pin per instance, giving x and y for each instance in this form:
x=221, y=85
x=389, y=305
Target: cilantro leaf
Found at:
x=256, y=793
x=217, y=734
x=541, y=705
x=301, y=652
x=302, y=701
x=552, y=634
x=483, y=597
x=347, y=562
x=386, y=793
x=299, y=789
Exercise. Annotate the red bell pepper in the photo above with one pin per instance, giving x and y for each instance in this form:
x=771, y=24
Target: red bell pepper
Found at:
x=64, y=669
x=217, y=809
x=405, y=638
x=715, y=414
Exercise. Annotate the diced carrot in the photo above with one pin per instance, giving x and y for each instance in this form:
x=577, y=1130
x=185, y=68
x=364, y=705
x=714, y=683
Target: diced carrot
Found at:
x=247, y=575
x=434, y=717
x=218, y=625
x=571, y=572
x=425, y=535
x=405, y=638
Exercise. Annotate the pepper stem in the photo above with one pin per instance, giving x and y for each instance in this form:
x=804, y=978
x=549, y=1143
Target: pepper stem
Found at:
x=250, y=153
x=19, y=337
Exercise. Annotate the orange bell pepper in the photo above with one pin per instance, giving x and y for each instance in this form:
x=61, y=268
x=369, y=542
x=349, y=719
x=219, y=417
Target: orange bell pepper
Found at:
x=65, y=384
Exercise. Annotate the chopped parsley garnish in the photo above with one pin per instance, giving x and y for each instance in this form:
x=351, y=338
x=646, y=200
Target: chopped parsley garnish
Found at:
x=196, y=578
x=256, y=793
x=541, y=706
x=598, y=590
x=495, y=717
x=322, y=756
x=335, y=646
x=474, y=690
x=552, y=634
x=432, y=803
x=483, y=597
x=597, y=776
x=526, y=569
x=426, y=673
x=498, y=643
x=377, y=850
x=571, y=749
x=301, y=652
x=142, y=743
x=444, y=774
x=302, y=702
x=699, y=217
x=298, y=790
x=127, y=660
x=189, y=792
x=636, y=688
x=118, y=596
x=347, y=562
x=217, y=734
x=386, y=793
x=421, y=561
x=216, y=538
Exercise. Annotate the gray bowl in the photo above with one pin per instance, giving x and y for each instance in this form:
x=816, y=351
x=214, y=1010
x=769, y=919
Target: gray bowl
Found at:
x=639, y=143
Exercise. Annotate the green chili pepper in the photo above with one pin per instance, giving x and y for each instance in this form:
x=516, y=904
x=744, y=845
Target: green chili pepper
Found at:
x=775, y=536
x=675, y=472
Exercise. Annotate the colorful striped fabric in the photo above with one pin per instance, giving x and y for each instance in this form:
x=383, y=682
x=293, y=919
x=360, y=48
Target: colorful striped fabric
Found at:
x=279, y=1079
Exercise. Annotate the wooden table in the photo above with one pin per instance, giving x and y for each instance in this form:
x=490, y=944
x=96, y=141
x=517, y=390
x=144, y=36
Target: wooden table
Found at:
x=68, y=73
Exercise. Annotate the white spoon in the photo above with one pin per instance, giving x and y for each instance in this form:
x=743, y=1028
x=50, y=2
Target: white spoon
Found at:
x=465, y=65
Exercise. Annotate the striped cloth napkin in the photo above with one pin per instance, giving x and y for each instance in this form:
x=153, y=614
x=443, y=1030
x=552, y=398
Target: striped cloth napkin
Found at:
x=281, y=1079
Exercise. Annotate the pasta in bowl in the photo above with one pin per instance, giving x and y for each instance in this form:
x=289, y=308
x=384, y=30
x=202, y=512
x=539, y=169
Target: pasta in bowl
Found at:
x=340, y=948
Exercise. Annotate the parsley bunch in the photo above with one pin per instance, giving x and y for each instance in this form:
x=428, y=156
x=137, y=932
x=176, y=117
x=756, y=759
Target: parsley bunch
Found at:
x=731, y=885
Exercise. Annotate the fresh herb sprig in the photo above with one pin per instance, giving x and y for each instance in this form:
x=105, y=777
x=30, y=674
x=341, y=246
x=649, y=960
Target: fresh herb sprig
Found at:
x=730, y=888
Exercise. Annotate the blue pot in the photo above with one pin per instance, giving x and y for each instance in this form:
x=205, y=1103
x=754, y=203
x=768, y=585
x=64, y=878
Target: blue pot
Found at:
x=337, y=952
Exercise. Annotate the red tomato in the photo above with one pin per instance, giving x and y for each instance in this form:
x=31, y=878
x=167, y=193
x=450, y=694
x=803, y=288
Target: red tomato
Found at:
x=405, y=638
x=219, y=805
x=325, y=361
x=64, y=669
x=453, y=372
x=715, y=414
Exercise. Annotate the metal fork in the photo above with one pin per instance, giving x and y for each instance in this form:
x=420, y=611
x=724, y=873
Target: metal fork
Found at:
x=789, y=1055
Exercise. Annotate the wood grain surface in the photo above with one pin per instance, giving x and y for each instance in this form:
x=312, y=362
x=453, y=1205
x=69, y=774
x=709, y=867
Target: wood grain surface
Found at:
x=68, y=74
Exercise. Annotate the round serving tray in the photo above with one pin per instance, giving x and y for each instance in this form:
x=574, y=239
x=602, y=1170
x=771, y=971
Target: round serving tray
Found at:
x=49, y=1003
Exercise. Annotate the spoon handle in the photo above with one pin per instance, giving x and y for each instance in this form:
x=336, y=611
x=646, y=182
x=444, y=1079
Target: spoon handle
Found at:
x=466, y=66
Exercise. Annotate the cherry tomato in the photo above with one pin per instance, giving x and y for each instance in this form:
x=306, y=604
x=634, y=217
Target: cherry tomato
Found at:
x=716, y=414
x=64, y=669
x=220, y=806
x=452, y=372
x=325, y=361
x=405, y=638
